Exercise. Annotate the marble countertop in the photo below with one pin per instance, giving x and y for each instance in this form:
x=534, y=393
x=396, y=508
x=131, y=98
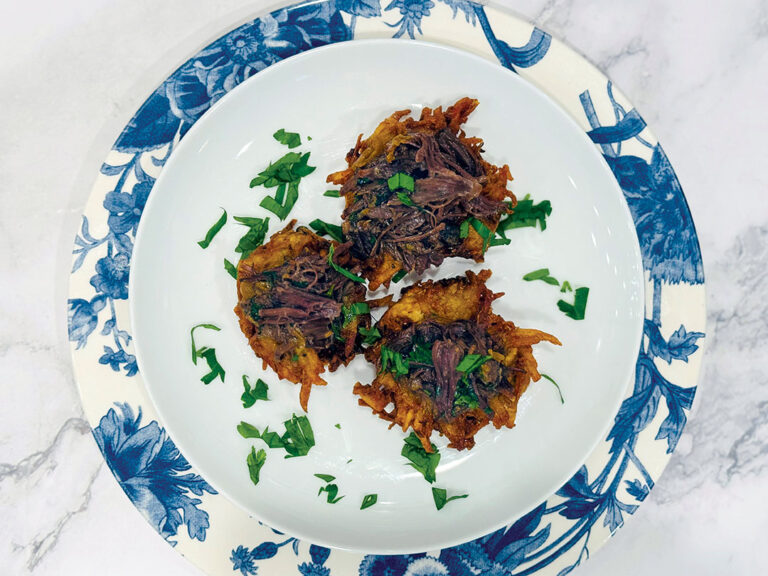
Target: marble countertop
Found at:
x=698, y=75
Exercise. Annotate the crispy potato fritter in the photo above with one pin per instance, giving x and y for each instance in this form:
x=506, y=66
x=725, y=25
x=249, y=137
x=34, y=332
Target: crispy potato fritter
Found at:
x=445, y=362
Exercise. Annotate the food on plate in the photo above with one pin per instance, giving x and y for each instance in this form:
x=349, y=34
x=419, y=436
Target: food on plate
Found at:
x=419, y=191
x=300, y=305
x=446, y=362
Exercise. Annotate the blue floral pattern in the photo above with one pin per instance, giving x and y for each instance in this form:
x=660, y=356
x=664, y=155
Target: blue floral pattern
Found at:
x=158, y=479
x=149, y=468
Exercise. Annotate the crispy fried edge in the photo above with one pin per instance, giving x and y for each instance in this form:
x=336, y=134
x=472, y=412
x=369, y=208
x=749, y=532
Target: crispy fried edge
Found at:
x=445, y=301
x=385, y=139
x=281, y=247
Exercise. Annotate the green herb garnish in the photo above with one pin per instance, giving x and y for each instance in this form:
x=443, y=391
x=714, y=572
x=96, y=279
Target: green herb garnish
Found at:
x=343, y=271
x=208, y=354
x=326, y=477
x=423, y=461
x=400, y=180
x=485, y=233
x=526, y=214
x=393, y=362
x=257, y=231
x=230, y=268
x=399, y=275
x=355, y=309
x=559, y=392
x=541, y=274
x=297, y=440
x=284, y=175
x=579, y=306
x=255, y=461
x=290, y=139
x=213, y=231
x=325, y=229
x=471, y=362
x=465, y=396
x=332, y=194
x=421, y=354
x=566, y=287
x=251, y=395
x=368, y=501
x=370, y=335
x=440, y=496
x=330, y=489
x=337, y=425
x=405, y=198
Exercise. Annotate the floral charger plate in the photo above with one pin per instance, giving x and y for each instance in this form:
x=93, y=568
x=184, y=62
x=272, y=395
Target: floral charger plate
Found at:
x=552, y=538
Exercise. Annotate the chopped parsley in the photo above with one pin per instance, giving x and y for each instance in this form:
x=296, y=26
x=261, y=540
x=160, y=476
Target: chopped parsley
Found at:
x=566, y=287
x=399, y=275
x=401, y=180
x=355, y=309
x=325, y=229
x=485, y=233
x=440, y=496
x=290, y=139
x=332, y=194
x=423, y=461
x=471, y=362
x=579, y=306
x=543, y=275
x=208, y=354
x=368, y=501
x=331, y=490
x=392, y=361
x=257, y=231
x=559, y=392
x=255, y=462
x=284, y=175
x=252, y=394
x=421, y=354
x=213, y=231
x=337, y=425
x=464, y=397
x=230, y=268
x=343, y=271
x=370, y=335
x=526, y=214
x=297, y=440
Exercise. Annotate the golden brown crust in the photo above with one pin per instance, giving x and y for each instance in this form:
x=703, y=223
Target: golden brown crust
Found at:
x=444, y=302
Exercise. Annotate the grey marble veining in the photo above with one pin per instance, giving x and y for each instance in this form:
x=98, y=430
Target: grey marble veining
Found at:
x=698, y=74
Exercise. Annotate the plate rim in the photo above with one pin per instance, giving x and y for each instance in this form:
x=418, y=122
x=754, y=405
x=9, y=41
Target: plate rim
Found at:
x=83, y=313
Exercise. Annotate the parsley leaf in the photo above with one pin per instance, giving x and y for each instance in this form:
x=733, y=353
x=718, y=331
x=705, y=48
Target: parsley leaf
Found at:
x=559, y=392
x=543, y=275
x=230, y=268
x=332, y=490
x=255, y=462
x=421, y=354
x=207, y=354
x=332, y=194
x=343, y=271
x=526, y=214
x=579, y=306
x=325, y=477
x=440, y=496
x=257, y=231
x=485, y=233
x=399, y=275
x=213, y=231
x=251, y=395
x=284, y=175
x=566, y=287
x=355, y=309
x=337, y=425
x=325, y=229
x=423, y=461
x=401, y=180
x=471, y=362
x=370, y=335
x=297, y=440
x=369, y=500
x=290, y=139
x=393, y=362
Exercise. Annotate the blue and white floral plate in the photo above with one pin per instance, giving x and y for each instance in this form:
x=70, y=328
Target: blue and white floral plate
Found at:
x=556, y=535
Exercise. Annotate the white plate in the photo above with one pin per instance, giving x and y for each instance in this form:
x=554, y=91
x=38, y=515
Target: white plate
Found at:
x=330, y=95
